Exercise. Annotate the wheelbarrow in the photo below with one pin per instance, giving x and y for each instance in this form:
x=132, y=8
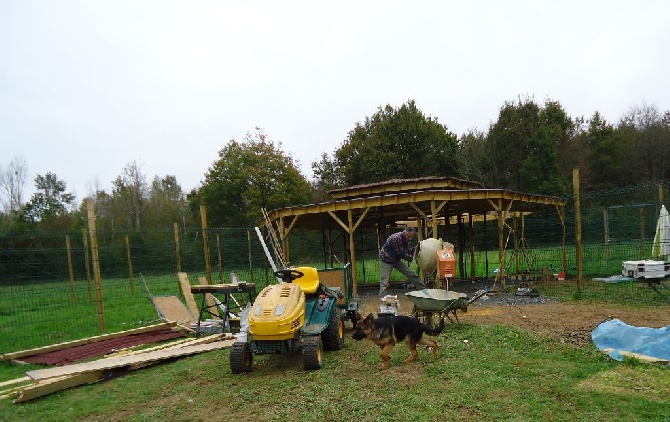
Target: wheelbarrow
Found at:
x=432, y=302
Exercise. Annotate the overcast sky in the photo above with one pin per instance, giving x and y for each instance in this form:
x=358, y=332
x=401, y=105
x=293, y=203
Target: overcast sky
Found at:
x=87, y=87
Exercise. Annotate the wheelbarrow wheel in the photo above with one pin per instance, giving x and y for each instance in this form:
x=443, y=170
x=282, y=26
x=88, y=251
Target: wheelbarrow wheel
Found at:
x=425, y=317
x=312, y=353
x=241, y=358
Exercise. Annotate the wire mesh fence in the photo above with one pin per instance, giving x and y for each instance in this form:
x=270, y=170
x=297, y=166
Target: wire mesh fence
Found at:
x=49, y=292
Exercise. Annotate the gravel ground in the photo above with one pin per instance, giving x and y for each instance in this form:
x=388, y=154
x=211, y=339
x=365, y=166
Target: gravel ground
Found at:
x=572, y=322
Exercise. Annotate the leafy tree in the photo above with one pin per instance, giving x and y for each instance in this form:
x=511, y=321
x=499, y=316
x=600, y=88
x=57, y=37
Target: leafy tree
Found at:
x=129, y=193
x=248, y=176
x=166, y=202
x=608, y=149
x=476, y=158
x=518, y=125
x=51, y=201
x=394, y=143
x=12, y=182
x=650, y=132
x=327, y=176
x=541, y=171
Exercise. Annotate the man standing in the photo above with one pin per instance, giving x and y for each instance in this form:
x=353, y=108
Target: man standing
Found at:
x=391, y=255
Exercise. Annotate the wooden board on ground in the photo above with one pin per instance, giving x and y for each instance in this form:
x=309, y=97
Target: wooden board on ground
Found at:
x=121, y=361
x=185, y=288
x=641, y=358
x=52, y=385
x=171, y=308
x=74, y=343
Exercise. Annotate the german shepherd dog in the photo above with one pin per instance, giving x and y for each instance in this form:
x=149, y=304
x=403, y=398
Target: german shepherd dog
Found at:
x=387, y=331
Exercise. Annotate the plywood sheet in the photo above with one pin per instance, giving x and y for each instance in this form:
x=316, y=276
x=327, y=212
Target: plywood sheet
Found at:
x=172, y=309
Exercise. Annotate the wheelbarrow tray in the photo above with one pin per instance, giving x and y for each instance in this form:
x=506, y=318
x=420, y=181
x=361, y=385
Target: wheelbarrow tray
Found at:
x=436, y=299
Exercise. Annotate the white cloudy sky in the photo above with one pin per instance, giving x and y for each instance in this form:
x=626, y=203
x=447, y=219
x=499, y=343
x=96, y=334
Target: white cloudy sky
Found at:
x=87, y=87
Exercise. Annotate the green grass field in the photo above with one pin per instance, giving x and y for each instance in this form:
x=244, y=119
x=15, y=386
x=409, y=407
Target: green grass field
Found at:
x=482, y=372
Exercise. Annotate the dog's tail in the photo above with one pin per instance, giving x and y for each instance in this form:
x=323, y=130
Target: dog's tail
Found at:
x=437, y=330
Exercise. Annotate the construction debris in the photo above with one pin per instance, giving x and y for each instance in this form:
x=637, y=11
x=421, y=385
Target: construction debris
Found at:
x=46, y=381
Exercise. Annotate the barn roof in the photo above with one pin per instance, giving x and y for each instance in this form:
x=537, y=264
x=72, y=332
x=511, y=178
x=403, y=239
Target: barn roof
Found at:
x=410, y=199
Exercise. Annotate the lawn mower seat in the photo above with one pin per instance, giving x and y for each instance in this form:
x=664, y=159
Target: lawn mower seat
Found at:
x=309, y=282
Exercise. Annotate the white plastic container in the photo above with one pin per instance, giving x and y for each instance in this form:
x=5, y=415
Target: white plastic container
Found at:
x=645, y=269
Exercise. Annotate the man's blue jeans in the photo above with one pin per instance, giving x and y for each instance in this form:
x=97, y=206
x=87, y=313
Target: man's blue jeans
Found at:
x=385, y=271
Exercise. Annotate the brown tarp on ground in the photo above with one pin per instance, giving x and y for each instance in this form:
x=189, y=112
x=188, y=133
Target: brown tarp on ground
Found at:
x=101, y=348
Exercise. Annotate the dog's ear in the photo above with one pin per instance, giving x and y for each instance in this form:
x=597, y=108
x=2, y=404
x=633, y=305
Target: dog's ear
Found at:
x=369, y=318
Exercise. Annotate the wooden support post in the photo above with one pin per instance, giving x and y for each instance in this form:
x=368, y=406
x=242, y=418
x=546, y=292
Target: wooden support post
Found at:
x=130, y=266
x=515, y=225
x=177, y=247
x=218, y=254
x=353, y=251
x=606, y=229
x=643, y=252
x=578, y=225
x=501, y=248
x=87, y=260
x=473, y=273
x=205, y=241
x=96, y=263
x=68, y=246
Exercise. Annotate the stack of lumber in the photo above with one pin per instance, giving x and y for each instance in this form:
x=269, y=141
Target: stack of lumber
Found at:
x=38, y=383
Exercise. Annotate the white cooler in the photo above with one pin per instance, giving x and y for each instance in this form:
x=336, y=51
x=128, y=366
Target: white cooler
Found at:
x=645, y=269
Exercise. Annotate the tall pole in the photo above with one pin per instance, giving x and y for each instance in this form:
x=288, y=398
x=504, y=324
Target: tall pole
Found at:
x=205, y=241
x=130, y=266
x=96, y=263
x=70, y=267
x=176, y=247
x=578, y=225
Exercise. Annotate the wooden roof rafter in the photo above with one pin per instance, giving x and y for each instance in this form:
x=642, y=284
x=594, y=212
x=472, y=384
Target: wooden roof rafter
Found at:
x=416, y=203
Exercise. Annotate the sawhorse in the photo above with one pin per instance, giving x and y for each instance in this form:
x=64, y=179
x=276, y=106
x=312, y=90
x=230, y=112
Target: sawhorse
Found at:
x=227, y=290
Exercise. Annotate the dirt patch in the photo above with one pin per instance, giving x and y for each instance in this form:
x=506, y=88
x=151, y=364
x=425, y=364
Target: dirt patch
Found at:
x=569, y=321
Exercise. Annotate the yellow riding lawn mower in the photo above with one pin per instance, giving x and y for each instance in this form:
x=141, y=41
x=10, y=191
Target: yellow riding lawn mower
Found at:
x=298, y=315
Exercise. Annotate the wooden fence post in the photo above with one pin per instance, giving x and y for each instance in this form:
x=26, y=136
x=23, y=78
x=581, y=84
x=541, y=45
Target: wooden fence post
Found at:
x=578, y=225
x=205, y=241
x=68, y=245
x=87, y=260
x=130, y=266
x=218, y=254
x=96, y=263
x=177, y=247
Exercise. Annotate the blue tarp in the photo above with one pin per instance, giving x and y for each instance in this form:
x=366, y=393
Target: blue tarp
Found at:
x=617, y=335
x=615, y=279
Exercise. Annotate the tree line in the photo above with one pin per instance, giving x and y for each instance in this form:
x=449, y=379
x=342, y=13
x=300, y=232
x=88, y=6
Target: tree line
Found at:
x=531, y=147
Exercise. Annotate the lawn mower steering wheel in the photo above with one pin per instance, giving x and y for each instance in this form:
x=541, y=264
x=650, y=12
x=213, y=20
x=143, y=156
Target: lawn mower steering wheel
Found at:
x=288, y=274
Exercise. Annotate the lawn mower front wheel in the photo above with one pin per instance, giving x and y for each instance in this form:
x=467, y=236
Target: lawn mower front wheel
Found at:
x=241, y=357
x=312, y=353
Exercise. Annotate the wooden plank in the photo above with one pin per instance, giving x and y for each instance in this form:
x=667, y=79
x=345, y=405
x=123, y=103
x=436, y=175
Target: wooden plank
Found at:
x=67, y=345
x=14, y=381
x=52, y=385
x=119, y=361
x=171, y=308
x=14, y=389
x=638, y=356
x=185, y=287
